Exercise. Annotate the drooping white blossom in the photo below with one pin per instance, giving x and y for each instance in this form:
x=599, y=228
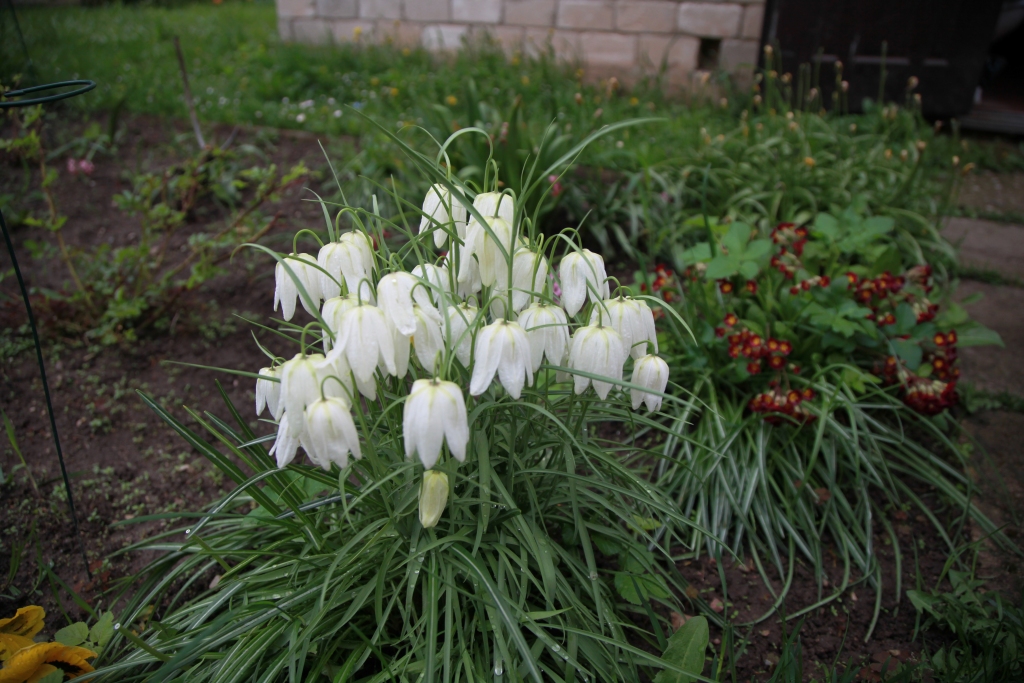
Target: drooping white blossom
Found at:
x=330, y=433
x=632, y=319
x=582, y=273
x=460, y=319
x=503, y=348
x=651, y=372
x=491, y=204
x=437, y=279
x=366, y=341
x=440, y=208
x=396, y=293
x=529, y=273
x=287, y=443
x=597, y=350
x=303, y=266
x=433, y=498
x=334, y=308
x=548, y=331
x=268, y=392
x=427, y=340
x=305, y=378
x=349, y=259
x=485, y=248
x=434, y=412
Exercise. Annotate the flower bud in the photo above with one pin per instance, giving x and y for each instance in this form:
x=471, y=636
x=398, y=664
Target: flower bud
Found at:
x=433, y=498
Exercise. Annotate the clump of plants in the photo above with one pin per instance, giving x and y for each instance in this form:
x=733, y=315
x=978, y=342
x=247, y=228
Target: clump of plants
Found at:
x=463, y=515
x=119, y=292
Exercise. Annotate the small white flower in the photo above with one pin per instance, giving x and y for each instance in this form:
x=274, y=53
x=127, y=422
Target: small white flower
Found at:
x=651, y=372
x=286, y=443
x=433, y=498
x=582, y=274
x=286, y=290
x=349, y=259
x=632, y=319
x=439, y=207
x=469, y=276
x=396, y=293
x=434, y=412
x=436, y=277
x=365, y=340
x=427, y=340
x=491, y=204
x=503, y=348
x=333, y=309
x=529, y=273
x=548, y=331
x=597, y=350
x=330, y=433
x=460, y=319
x=301, y=380
x=268, y=393
x=480, y=243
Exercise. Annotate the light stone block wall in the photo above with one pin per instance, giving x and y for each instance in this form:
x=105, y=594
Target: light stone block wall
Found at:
x=624, y=38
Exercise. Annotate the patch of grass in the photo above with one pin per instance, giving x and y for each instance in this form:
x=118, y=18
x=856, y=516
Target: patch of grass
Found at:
x=976, y=400
x=998, y=216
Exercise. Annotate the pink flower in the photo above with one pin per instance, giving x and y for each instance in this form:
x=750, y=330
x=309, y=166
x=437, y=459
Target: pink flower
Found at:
x=80, y=166
x=556, y=187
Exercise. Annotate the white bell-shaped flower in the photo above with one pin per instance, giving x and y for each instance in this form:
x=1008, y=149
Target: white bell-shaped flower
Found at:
x=303, y=266
x=349, y=259
x=632, y=319
x=548, y=331
x=268, y=392
x=481, y=244
x=468, y=283
x=503, y=348
x=334, y=308
x=491, y=204
x=582, y=274
x=436, y=278
x=287, y=443
x=529, y=274
x=457, y=330
x=330, y=433
x=434, y=412
x=440, y=209
x=427, y=340
x=366, y=341
x=396, y=293
x=433, y=498
x=651, y=372
x=304, y=378
x=599, y=351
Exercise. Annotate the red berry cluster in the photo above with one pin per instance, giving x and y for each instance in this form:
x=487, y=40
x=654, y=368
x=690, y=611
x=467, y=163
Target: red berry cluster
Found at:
x=930, y=396
x=755, y=348
x=776, y=404
x=822, y=281
x=791, y=241
x=943, y=358
x=663, y=281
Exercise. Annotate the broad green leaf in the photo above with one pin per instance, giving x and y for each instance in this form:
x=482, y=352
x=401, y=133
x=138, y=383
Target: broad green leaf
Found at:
x=908, y=351
x=749, y=269
x=978, y=335
x=686, y=649
x=722, y=266
x=649, y=586
x=736, y=239
x=906, y=319
x=698, y=253
x=102, y=630
x=826, y=226
x=757, y=249
x=72, y=635
x=53, y=677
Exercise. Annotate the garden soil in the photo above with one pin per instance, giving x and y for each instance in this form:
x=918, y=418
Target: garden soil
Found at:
x=125, y=464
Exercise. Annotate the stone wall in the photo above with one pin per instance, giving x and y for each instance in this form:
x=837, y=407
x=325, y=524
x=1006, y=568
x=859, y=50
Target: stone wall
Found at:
x=610, y=37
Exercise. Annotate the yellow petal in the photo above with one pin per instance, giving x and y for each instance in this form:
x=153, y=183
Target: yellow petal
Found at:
x=10, y=643
x=27, y=621
x=32, y=663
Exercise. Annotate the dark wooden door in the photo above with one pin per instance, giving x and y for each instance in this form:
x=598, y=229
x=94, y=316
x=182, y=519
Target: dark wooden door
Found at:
x=942, y=42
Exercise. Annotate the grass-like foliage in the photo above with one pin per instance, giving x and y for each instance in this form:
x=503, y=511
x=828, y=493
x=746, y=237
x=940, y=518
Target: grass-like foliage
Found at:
x=543, y=560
